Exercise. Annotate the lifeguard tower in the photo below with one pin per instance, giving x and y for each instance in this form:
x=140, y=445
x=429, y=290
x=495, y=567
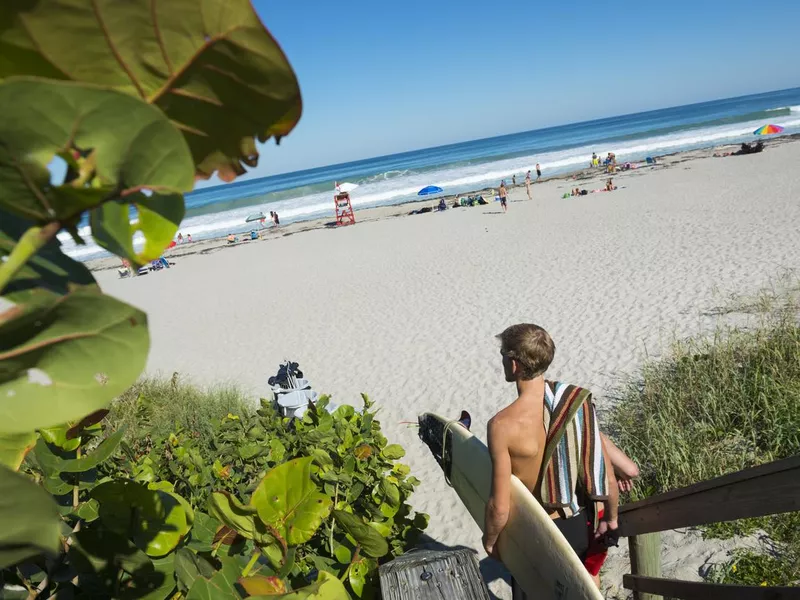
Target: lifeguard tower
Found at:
x=344, y=209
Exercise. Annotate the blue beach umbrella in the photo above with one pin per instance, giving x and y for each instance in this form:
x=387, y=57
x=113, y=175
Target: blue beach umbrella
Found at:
x=430, y=190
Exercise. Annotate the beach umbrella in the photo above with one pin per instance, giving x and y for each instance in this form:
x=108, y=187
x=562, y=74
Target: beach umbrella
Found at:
x=341, y=188
x=768, y=130
x=259, y=216
x=430, y=190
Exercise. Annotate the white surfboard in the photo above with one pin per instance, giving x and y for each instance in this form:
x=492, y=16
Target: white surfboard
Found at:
x=531, y=546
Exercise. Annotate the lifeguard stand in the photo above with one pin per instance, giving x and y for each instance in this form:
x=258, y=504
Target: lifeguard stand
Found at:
x=344, y=210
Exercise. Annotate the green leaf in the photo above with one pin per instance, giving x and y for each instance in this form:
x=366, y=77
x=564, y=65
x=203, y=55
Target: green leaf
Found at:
x=98, y=549
x=358, y=576
x=57, y=436
x=326, y=587
x=158, y=585
x=391, y=493
x=156, y=521
x=241, y=518
x=277, y=450
x=158, y=219
x=67, y=358
x=217, y=74
x=288, y=500
x=133, y=146
x=29, y=520
x=203, y=530
x=343, y=554
x=221, y=586
x=371, y=542
x=52, y=463
x=14, y=447
x=249, y=451
x=385, y=529
x=49, y=268
x=393, y=452
x=189, y=567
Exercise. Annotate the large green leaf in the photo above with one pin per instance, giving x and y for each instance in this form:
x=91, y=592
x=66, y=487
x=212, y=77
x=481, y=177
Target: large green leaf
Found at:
x=288, y=500
x=210, y=65
x=68, y=357
x=326, y=587
x=242, y=519
x=51, y=463
x=189, y=567
x=29, y=521
x=154, y=520
x=158, y=219
x=49, y=267
x=222, y=586
x=133, y=145
x=372, y=543
x=14, y=447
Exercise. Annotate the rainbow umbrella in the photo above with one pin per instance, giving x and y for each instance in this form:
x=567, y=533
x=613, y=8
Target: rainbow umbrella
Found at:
x=768, y=130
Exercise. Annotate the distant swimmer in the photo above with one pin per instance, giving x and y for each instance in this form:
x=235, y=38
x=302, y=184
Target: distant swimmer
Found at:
x=538, y=171
x=528, y=184
x=503, y=193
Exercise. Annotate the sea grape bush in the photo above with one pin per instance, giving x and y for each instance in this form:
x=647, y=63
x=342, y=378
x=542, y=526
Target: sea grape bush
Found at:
x=136, y=100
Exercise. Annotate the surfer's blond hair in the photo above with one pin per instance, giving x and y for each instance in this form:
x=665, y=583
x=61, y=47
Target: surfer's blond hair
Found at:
x=530, y=345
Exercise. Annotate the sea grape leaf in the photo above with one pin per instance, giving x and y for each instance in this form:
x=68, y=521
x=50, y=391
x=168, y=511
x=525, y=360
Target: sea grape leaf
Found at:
x=393, y=452
x=49, y=268
x=14, y=447
x=67, y=357
x=155, y=520
x=221, y=586
x=211, y=67
x=29, y=519
x=288, y=500
x=190, y=566
x=371, y=542
x=357, y=576
x=57, y=436
x=391, y=493
x=257, y=585
x=131, y=145
x=240, y=518
x=52, y=463
x=158, y=219
x=326, y=587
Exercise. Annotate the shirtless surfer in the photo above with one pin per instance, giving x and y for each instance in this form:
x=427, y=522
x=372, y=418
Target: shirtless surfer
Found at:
x=518, y=440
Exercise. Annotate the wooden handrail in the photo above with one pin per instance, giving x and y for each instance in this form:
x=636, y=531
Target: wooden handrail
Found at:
x=764, y=490
x=691, y=590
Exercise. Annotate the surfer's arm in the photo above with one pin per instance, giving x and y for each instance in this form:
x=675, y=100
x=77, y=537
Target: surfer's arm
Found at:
x=612, y=502
x=499, y=504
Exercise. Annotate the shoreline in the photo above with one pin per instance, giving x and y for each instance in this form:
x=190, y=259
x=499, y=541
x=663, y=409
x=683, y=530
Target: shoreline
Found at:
x=365, y=215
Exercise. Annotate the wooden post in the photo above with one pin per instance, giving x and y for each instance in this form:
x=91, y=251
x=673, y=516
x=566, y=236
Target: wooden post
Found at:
x=645, y=551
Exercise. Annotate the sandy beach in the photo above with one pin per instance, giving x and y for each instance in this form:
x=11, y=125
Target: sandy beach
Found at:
x=406, y=309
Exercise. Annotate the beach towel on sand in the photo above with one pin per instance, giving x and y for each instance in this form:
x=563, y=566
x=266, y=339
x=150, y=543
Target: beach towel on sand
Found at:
x=573, y=455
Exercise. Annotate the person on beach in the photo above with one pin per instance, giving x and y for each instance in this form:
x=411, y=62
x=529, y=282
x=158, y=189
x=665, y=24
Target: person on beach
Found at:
x=188, y=238
x=548, y=419
x=503, y=193
x=180, y=238
x=538, y=172
x=610, y=187
x=513, y=180
x=528, y=184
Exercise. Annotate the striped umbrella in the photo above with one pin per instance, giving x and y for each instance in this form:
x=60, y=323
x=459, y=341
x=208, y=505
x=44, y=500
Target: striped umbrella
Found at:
x=768, y=130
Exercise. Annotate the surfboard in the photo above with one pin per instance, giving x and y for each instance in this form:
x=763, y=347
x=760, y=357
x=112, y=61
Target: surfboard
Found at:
x=531, y=546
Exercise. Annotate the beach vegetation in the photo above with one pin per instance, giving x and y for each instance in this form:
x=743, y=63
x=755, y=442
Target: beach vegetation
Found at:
x=135, y=101
x=719, y=403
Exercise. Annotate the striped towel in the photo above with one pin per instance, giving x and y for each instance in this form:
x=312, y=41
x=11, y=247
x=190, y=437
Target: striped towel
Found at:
x=573, y=452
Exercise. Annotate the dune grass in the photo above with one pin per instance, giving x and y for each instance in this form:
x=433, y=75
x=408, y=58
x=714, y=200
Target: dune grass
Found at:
x=156, y=407
x=717, y=404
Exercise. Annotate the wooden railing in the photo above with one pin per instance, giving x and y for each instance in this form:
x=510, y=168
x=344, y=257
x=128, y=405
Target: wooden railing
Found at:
x=765, y=490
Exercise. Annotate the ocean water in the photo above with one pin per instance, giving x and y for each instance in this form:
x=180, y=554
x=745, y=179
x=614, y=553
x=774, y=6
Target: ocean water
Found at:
x=472, y=165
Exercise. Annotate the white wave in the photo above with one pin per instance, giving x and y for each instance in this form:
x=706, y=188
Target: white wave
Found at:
x=381, y=190
x=794, y=109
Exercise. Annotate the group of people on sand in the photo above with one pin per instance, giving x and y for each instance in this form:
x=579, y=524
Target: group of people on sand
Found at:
x=610, y=162
x=609, y=187
x=503, y=192
x=184, y=240
x=549, y=437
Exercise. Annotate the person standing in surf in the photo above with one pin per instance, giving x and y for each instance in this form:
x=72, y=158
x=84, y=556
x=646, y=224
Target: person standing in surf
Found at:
x=550, y=439
x=538, y=172
x=503, y=193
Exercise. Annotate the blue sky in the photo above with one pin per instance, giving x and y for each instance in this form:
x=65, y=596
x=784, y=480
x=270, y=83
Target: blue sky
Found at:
x=379, y=78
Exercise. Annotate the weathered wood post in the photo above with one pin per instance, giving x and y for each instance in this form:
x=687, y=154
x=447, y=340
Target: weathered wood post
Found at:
x=645, y=551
